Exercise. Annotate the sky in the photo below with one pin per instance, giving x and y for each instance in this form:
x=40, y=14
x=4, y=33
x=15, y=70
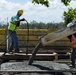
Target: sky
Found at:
x=34, y=12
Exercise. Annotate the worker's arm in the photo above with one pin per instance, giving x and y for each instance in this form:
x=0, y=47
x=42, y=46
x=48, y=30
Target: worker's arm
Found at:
x=16, y=21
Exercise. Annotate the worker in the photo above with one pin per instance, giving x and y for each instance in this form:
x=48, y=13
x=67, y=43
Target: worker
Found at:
x=72, y=39
x=12, y=27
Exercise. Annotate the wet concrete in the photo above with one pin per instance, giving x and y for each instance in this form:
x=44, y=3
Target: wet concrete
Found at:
x=37, y=65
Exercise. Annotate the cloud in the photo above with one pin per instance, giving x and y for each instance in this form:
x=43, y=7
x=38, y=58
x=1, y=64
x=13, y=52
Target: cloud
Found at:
x=36, y=12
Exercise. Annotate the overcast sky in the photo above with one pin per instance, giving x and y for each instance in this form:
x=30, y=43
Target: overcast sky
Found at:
x=39, y=13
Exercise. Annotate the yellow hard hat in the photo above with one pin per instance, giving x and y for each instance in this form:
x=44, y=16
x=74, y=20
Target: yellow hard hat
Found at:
x=20, y=11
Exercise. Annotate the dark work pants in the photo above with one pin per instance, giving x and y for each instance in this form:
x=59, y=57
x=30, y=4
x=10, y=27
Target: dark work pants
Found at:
x=14, y=41
x=73, y=57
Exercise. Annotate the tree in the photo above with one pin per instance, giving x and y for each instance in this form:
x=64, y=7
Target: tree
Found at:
x=46, y=2
x=70, y=15
x=66, y=2
x=43, y=2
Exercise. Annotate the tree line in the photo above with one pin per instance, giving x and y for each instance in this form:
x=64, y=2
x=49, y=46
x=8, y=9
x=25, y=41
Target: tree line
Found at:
x=68, y=16
x=39, y=25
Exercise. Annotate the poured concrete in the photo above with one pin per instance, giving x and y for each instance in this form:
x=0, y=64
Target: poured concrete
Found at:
x=36, y=66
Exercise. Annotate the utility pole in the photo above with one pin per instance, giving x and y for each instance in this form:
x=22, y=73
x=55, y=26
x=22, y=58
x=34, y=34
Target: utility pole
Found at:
x=7, y=36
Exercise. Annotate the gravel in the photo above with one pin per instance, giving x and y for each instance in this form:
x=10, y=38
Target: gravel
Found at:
x=37, y=65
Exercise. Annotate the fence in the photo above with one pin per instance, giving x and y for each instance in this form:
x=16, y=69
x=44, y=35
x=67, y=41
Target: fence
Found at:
x=34, y=38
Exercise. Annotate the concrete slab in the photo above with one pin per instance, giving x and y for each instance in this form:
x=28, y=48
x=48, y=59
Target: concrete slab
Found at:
x=36, y=67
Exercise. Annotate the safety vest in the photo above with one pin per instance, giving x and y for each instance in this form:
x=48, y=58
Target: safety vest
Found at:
x=12, y=25
x=73, y=41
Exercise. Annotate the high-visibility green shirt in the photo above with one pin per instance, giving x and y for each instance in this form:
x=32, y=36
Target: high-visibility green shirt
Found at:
x=12, y=25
